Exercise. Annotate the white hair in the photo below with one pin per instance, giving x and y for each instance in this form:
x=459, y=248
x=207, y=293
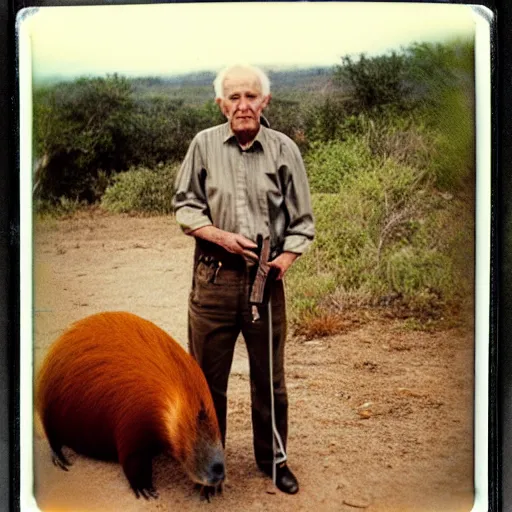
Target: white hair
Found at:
x=218, y=83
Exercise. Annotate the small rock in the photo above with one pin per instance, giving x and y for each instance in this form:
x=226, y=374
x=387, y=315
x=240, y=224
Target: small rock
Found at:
x=271, y=489
x=357, y=502
x=364, y=411
x=409, y=392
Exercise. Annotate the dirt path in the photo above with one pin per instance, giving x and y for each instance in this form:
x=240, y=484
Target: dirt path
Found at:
x=380, y=417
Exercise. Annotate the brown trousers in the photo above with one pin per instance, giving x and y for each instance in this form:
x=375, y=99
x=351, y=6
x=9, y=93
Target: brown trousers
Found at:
x=219, y=310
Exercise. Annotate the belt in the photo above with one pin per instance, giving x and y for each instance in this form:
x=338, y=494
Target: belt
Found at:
x=213, y=253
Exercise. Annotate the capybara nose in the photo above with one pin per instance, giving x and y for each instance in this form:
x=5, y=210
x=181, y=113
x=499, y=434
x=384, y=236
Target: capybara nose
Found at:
x=217, y=472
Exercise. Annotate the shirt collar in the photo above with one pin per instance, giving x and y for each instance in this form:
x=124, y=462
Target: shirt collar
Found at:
x=260, y=136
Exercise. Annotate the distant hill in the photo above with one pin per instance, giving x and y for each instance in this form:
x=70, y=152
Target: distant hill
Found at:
x=197, y=88
x=297, y=78
x=298, y=84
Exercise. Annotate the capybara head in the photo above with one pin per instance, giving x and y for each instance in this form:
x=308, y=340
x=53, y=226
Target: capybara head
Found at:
x=201, y=453
x=207, y=460
x=194, y=435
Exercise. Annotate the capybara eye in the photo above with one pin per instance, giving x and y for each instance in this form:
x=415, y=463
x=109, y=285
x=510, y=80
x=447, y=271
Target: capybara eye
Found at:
x=202, y=415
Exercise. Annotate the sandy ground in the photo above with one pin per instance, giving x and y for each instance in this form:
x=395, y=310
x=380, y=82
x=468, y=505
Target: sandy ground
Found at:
x=380, y=416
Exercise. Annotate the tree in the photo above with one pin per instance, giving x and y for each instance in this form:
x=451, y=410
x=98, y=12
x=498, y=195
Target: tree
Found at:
x=81, y=128
x=375, y=81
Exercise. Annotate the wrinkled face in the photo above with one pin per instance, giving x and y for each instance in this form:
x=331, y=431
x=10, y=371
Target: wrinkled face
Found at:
x=243, y=103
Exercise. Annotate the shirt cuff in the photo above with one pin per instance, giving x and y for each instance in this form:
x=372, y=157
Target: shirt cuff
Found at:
x=189, y=220
x=296, y=243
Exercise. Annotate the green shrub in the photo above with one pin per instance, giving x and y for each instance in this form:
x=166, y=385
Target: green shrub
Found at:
x=376, y=81
x=81, y=127
x=328, y=163
x=410, y=269
x=63, y=207
x=329, y=119
x=382, y=235
x=94, y=124
x=453, y=158
x=141, y=190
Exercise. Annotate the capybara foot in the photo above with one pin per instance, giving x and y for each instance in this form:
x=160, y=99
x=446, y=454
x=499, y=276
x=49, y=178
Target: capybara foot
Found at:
x=146, y=493
x=206, y=492
x=60, y=460
x=138, y=469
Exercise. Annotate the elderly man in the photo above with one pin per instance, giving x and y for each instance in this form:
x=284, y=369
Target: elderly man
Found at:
x=240, y=180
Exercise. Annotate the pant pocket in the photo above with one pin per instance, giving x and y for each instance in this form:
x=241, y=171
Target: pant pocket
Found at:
x=211, y=291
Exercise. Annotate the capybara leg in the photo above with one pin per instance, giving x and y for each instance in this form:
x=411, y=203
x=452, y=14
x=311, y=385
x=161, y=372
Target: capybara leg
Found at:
x=206, y=492
x=138, y=470
x=58, y=457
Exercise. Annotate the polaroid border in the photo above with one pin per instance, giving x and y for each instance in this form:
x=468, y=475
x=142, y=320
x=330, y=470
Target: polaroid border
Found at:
x=487, y=285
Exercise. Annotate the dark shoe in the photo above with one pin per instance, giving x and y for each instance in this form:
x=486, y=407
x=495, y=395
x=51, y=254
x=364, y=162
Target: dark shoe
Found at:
x=285, y=479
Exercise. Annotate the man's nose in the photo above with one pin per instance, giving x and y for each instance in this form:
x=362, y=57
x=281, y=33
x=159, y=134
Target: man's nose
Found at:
x=243, y=104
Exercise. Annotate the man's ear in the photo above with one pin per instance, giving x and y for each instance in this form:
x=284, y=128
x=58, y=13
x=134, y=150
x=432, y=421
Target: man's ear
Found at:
x=220, y=102
x=266, y=101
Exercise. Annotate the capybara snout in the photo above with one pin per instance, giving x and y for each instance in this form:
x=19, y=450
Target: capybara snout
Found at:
x=212, y=471
x=206, y=466
x=215, y=474
x=117, y=386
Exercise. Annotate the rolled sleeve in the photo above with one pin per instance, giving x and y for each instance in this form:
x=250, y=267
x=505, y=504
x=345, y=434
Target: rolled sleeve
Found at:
x=296, y=243
x=190, y=205
x=300, y=231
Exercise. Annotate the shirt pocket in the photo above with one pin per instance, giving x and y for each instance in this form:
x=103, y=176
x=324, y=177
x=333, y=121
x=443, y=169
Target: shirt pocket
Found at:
x=274, y=193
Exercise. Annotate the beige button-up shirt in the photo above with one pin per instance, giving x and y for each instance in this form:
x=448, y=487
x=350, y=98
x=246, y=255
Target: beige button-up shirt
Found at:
x=259, y=190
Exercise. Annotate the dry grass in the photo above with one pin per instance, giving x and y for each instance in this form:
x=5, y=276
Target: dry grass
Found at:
x=327, y=323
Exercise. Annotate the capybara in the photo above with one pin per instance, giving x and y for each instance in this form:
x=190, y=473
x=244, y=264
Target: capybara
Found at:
x=117, y=387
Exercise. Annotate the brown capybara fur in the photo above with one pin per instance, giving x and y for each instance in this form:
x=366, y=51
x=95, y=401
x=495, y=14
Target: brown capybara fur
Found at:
x=117, y=387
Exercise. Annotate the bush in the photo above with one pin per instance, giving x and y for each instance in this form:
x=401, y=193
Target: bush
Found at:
x=328, y=163
x=95, y=124
x=63, y=207
x=410, y=269
x=453, y=158
x=331, y=119
x=79, y=128
x=376, y=81
x=141, y=190
x=378, y=238
x=427, y=87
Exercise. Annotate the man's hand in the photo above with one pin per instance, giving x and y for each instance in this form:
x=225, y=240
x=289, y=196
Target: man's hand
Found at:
x=239, y=244
x=283, y=262
x=232, y=242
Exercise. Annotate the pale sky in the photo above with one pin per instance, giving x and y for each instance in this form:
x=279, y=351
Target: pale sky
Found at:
x=179, y=38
